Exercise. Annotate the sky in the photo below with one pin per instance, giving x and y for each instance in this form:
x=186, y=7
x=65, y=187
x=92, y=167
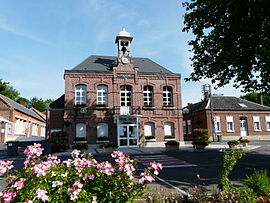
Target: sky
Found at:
x=40, y=39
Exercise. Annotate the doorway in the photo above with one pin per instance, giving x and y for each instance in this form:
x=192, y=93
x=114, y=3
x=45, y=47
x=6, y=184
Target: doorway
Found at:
x=128, y=135
x=243, y=127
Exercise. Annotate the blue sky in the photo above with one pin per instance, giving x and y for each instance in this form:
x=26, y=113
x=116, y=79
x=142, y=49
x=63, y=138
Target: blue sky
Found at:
x=40, y=39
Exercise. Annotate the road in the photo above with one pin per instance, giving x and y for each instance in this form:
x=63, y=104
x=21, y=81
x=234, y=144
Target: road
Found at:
x=206, y=172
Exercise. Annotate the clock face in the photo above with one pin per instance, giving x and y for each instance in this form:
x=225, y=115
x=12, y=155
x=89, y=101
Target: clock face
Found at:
x=125, y=60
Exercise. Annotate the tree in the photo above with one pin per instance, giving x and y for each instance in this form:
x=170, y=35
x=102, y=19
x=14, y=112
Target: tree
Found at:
x=23, y=101
x=39, y=104
x=8, y=91
x=231, y=42
x=255, y=97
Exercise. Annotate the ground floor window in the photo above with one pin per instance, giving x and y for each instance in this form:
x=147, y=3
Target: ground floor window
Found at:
x=169, y=130
x=81, y=130
x=149, y=130
x=184, y=127
x=256, y=123
x=230, y=126
x=102, y=131
x=217, y=124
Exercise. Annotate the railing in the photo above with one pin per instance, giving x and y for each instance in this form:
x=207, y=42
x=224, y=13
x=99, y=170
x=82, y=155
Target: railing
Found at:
x=127, y=110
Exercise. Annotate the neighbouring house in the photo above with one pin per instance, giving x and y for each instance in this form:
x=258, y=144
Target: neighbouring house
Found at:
x=127, y=100
x=17, y=121
x=229, y=117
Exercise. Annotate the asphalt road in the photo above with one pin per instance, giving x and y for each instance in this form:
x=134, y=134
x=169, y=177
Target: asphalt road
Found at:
x=206, y=173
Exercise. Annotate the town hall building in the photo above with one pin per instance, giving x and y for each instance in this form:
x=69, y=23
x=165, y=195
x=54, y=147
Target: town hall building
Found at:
x=126, y=100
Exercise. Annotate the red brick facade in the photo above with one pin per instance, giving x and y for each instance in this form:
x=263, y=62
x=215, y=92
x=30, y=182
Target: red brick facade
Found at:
x=122, y=74
x=203, y=119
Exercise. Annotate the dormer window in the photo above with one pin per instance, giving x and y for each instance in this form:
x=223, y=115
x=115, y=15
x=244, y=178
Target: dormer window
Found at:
x=102, y=95
x=80, y=94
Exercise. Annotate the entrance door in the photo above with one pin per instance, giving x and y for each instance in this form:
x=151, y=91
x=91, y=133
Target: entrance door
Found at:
x=125, y=100
x=128, y=135
x=243, y=127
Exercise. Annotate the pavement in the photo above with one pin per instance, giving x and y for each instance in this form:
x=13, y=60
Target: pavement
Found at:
x=93, y=149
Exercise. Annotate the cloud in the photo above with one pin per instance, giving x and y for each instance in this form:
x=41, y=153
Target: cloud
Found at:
x=6, y=26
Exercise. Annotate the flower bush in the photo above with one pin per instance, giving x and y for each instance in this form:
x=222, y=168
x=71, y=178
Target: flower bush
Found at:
x=79, y=179
x=244, y=141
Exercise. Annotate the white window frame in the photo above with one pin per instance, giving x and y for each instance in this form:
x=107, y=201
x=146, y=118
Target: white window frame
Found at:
x=169, y=129
x=229, y=123
x=102, y=94
x=148, y=95
x=167, y=95
x=217, y=123
x=189, y=127
x=125, y=95
x=267, y=122
x=80, y=94
x=102, y=130
x=149, y=129
x=256, y=123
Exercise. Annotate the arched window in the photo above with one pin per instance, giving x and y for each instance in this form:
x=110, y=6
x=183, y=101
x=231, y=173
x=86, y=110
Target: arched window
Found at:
x=148, y=95
x=80, y=94
x=169, y=130
x=102, y=94
x=102, y=131
x=149, y=130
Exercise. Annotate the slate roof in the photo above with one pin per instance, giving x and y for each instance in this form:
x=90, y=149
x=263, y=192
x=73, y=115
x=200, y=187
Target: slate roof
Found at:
x=21, y=108
x=58, y=103
x=104, y=64
x=228, y=103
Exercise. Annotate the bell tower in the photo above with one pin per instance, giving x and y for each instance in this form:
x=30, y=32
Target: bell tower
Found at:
x=123, y=41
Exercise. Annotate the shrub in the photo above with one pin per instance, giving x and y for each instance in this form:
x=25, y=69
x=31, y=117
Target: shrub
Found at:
x=150, y=137
x=259, y=182
x=200, y=137
x=233, y=142
x=229, y=160
x=80, y=179
x=79, y=139
x=169, y=136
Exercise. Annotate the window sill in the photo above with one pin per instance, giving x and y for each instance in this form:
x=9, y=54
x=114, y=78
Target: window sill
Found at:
x=169, y=139
x=102, y=107
x=150, y=140
x=230, y=131
x=148, y=107
x=257, y=130
x=168, y=107
x=102, y=141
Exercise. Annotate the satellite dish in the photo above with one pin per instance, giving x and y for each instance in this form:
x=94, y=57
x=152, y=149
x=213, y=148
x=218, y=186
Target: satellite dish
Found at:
x=83, y=110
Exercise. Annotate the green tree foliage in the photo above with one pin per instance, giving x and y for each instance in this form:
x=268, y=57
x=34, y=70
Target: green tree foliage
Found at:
x=39, y=103
x=8, y=91
x=232, y=42
x=255, y=97
x=23, y=101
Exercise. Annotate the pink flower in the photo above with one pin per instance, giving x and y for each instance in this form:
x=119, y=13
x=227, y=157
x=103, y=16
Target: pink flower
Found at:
x=33, y=150
x=1, y=194
x=19, y=184
x=8, y=196
x=156, y=167
x=77, y=184
x=42, y=195
x=57, y=183
x=106, y=167
x=145, y=177
x=5, y=166
x=10, y=179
